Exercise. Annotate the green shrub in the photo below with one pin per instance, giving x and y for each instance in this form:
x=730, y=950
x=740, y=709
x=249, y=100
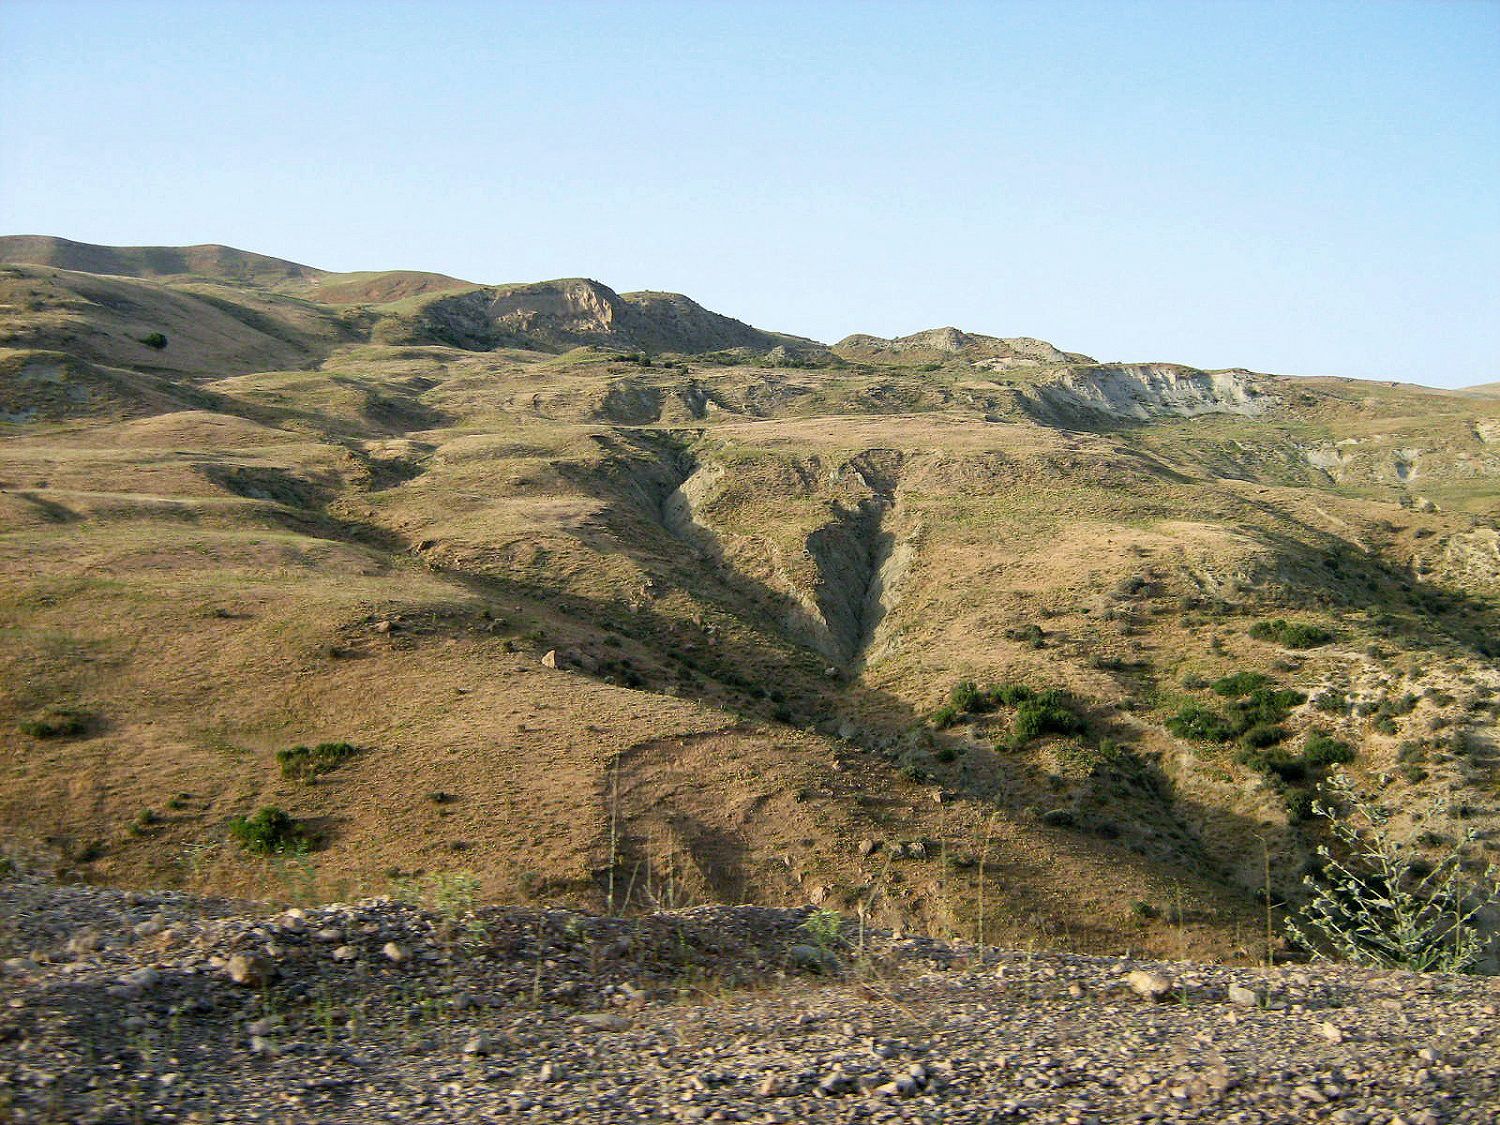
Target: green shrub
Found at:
x=58, y=722
x=154, y=340
x=306, y=763
x=1299, y=806
x=1291, y=634
x=1274, y=762
x=1321, y=751
x=966, y=696
x=1009, y=695
x=1332, y=703
x=1265, y=705
x=1241, y=683
x=945, y=716
x=268, y=832
x=1200, y=723
x=1028, y=634
x=1048, y=712
x=1262, y=735
x=144, y=820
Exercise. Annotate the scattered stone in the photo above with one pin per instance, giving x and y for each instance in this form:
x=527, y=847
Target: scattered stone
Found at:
x=395, y=953
x=1244, y=997
x=1153, y=986
x=604, y=1021
x=249, y=970
x=950, y=1033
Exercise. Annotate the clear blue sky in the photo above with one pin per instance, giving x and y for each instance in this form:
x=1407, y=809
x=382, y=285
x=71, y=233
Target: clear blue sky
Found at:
x=1304, y=188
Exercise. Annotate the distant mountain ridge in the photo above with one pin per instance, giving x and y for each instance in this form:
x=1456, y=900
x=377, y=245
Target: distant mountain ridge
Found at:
x=207, y=260
x=420, y=307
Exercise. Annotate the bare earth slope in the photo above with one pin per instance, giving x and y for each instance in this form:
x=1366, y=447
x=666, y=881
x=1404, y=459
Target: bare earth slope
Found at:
x=618, y=602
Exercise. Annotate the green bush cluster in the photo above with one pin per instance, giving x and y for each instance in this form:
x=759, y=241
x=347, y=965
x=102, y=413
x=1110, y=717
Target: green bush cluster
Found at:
x=59, y=722
x=1052, y=711
x=1318, y=752
x=306, y=763
x=269, y=831
x=1291, y=634
x=967, y=698
x=1252, y=719
x=1046, y=712
x=1241, y=684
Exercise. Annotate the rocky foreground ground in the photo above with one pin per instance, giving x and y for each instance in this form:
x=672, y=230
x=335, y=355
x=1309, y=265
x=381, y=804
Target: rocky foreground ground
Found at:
x=129, y=1007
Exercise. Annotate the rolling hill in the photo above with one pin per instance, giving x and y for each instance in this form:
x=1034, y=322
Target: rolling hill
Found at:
x=618, y=601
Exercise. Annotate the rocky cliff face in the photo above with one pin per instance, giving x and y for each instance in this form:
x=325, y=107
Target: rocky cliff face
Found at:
x=938, y=345
x=574, y=312
x=1142, y=391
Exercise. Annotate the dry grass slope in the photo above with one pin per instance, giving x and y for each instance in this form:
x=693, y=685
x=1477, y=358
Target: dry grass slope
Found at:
x=755, y=569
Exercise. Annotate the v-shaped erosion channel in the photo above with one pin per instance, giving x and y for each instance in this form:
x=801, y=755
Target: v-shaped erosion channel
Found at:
x=857, y=556
x=858, y=560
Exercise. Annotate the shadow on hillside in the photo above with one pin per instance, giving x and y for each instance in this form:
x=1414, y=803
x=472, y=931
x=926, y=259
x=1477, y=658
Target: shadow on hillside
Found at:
x=1401, y=602
x=770, y=680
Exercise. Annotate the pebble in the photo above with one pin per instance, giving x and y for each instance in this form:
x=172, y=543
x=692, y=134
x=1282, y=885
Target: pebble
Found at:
x=1244, y=997
x=1153, y=986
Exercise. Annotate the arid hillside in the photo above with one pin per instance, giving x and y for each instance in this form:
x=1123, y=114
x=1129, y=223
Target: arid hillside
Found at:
x=620, y=603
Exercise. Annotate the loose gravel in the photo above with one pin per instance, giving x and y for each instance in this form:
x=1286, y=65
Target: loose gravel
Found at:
x=129, y=1007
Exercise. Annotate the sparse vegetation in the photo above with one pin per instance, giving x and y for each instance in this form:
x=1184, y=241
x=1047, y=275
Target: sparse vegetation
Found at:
x=439, y=518
x=451, y=894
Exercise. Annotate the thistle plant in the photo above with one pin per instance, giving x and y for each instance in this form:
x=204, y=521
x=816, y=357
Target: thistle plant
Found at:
x=1379, y=901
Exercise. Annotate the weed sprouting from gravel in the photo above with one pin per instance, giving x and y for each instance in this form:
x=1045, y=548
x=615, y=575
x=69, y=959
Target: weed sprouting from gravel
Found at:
x=1378, y=901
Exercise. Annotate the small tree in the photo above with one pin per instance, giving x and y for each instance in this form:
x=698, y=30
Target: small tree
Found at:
x=1379, y=902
